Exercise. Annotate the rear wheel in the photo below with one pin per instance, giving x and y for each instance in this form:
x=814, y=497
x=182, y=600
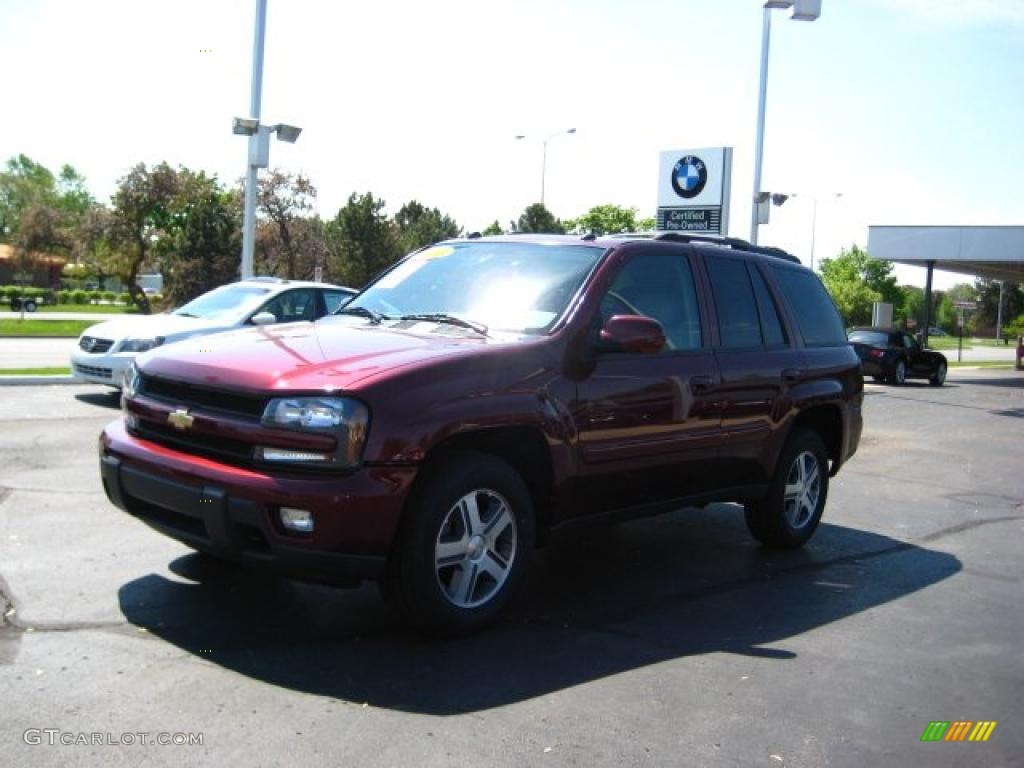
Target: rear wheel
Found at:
x=464, y=545
x=899, y=373
x=938, y=378
x=790, y=512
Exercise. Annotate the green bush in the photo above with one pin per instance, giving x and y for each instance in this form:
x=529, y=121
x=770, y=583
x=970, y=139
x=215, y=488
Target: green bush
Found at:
x=79, y=297
x=10, y=291
x=63, y=297
x=94, y=296
x=109, y=296
x=124, y=298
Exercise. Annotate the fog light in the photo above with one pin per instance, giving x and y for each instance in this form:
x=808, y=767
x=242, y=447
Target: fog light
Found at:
x=300, y=520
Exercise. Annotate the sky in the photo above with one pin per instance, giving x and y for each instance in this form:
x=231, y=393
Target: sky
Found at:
x=912, y=109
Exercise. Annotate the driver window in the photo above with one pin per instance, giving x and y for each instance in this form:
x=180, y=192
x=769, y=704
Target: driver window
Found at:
x=292, y=306
x=660, y=287
x=908, y=342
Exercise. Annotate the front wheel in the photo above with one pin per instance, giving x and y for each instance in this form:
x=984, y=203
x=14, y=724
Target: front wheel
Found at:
x=465, y=542
x=938, y=378
x=790, y=512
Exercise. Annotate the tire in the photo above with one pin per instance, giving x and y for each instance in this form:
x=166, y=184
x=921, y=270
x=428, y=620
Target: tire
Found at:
x=779, y=520
x=465, y=541
x=938, y=378
x=30, y=306
x=899, y=373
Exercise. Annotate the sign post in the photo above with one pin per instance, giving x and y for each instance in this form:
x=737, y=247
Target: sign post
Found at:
x=961, y=307
x=693, y=190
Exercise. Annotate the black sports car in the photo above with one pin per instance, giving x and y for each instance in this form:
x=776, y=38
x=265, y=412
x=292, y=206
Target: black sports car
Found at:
x=895, y=356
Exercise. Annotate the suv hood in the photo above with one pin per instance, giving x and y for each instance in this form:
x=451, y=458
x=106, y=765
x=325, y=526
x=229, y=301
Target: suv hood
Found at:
x=328, y=355
x=169, y=327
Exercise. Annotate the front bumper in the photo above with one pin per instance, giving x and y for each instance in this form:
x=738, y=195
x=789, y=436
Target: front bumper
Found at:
x=106, y=368
x=231, y=512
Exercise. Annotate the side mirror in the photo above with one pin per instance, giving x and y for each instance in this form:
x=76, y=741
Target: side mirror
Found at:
x=632, y=333
x=263, y=318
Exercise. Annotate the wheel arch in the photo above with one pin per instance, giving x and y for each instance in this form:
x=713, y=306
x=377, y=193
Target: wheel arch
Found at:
x=827, y=421
x=524, y=448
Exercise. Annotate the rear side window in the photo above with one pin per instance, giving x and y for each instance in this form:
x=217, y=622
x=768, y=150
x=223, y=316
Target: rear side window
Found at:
x=771, y=326
x=815, y=313
x=738, y=322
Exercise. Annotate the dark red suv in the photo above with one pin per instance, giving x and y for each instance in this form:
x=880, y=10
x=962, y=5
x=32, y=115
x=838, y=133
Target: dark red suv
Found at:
x=484, y=391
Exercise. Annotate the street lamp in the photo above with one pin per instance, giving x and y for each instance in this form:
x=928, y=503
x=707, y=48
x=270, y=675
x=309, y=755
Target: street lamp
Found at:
x=814, y=221
x=544, y=159
x=803, y=10
x=259, y=139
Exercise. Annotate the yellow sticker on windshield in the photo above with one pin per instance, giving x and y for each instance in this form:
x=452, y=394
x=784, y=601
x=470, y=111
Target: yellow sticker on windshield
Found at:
x=437, y=252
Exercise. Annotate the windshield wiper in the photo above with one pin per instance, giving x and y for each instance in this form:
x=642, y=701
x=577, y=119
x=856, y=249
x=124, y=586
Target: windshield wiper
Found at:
x=441, y=317
x=373, y=317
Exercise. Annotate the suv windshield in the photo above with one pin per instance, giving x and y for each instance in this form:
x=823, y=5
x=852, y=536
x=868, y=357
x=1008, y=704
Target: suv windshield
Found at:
x=520, y=287
x=229, y=303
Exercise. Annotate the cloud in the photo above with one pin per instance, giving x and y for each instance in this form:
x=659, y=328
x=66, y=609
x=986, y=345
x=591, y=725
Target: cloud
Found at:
x=979, y=12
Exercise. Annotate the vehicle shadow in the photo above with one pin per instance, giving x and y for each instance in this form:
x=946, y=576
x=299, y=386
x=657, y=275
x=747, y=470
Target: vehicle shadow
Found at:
x=597, y=603
x=111, y=399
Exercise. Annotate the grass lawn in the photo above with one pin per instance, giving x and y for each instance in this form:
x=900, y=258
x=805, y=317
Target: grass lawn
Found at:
x=102, y=309
x=70, y=328
x=981, y=364
x=35, y=371
x=951, y=342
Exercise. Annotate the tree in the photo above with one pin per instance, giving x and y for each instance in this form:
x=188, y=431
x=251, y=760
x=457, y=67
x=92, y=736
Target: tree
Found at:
x=988, y=303
x=418, y=226
x=204, y=238
x=856, y=281
x=142, y=214
x=361, y=241
x=537, y=218
x=23, y=184
x=604, y=220
x=288, y=244
x=494, y=228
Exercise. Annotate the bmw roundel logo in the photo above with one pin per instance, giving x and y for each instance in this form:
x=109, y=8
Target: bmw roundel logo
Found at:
x=689, y=176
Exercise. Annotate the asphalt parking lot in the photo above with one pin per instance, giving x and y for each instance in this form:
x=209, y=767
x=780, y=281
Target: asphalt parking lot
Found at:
x=669, y=641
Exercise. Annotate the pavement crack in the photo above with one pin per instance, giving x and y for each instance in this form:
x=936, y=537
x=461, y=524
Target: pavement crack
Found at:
x=970, y=524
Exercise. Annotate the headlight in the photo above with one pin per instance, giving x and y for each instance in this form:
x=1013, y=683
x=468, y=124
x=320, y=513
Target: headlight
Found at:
x=140, y=345
x=346, y=419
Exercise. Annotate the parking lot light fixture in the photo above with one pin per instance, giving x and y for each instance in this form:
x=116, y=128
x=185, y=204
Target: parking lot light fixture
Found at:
x=544, y=157
x=803, y=10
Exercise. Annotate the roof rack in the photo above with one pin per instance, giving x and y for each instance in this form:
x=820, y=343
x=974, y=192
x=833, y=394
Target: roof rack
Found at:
x=729, y=242
x=266, y=279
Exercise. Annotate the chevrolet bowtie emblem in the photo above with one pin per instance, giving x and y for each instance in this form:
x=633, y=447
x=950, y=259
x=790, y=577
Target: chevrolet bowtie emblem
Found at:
x=180, y=419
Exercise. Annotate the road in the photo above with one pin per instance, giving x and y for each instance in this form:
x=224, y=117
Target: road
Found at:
x=673, y=641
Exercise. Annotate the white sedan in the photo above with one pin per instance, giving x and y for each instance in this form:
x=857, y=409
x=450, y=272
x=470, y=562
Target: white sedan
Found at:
x=105, y=350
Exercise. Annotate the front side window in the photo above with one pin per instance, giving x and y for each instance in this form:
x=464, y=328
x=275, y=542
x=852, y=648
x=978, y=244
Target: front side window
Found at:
x=293, y=306
x=509, y=286
x=660, y=287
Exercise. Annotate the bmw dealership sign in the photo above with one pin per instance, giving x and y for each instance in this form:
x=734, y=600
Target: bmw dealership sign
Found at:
x=693, y=190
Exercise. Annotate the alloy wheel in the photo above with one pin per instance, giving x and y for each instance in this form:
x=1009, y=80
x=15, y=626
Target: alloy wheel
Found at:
x=803, y=490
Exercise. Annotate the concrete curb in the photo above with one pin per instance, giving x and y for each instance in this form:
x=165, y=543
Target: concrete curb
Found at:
x=24, y=380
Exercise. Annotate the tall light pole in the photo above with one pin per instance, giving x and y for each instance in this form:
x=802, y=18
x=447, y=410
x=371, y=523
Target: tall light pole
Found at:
x=259, y=140
x=803, y=10
x=544, y=158
x=814, y=222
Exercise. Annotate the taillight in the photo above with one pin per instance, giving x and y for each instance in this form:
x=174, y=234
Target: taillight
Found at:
x=876, y=352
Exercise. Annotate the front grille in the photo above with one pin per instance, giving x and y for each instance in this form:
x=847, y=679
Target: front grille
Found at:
x=180, y=393
x=211, y=446
x=94, y=345
x=92, y=370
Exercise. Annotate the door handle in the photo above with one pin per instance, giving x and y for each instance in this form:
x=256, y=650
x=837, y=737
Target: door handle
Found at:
x=792, y=374
x=700, y=384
